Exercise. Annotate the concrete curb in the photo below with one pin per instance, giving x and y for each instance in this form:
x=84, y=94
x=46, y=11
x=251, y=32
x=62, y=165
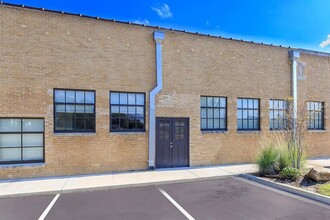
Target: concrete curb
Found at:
x=290, y=189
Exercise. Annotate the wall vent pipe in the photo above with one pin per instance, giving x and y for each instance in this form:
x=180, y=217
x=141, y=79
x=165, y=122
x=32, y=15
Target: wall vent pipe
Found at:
x=159, y=38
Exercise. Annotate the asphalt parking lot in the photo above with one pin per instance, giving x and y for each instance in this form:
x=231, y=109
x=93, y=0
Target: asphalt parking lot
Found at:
x=227, y=198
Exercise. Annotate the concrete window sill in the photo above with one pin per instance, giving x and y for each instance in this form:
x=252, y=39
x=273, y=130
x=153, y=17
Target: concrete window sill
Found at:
x=21, y=165
x=128, y=133
x=317, y=131
x=248, y=132
x=75, y=134
x=214, y=132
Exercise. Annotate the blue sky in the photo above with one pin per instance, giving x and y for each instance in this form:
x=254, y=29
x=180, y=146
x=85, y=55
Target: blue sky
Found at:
x=295, y=23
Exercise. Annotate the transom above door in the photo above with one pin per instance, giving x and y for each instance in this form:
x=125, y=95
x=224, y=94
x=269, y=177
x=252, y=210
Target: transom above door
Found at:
x=172, y=142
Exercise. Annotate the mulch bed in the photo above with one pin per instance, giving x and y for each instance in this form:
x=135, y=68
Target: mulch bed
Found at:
x=302, y=182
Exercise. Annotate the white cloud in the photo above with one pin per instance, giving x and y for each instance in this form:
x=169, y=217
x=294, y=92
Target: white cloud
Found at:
x=163, y=11
x=141, y=21
x=325, y=42
x=207, y=23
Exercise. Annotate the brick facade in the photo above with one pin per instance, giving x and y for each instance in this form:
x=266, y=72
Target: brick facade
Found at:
x=41, y=51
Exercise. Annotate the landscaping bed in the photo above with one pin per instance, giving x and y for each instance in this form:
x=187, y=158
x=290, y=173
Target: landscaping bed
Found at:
x=303, y=182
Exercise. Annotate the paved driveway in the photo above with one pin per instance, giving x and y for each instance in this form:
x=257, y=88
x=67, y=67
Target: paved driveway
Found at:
x=228, y=198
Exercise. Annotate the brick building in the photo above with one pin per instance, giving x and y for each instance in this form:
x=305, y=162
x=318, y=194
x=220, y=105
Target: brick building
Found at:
x=89, y=95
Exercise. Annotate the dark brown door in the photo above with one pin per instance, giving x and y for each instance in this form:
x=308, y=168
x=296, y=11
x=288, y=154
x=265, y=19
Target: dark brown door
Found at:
x=172, y=142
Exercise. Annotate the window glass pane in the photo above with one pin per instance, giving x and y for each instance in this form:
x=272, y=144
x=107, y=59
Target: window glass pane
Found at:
x=250, y=114
x=80, y=97
x=216, y=123
x=203, y=124
x=239, y=124
x=114, y=99
x=250, y=123
x=245, y=103
x=244, y=114
x=70, y=96
x=69, y=121
x=222, y=113
x=271, y=124
x=89, y=97
x=256, y=114
x=33, y=125
x=271, y=106
x=276, y=104
x=80, y=123
x=131, y=99
x=140, y=99
x=10, y=140
x=216, y=102
x=139, y=112
x=59, y=96
x=280, y=105
x=10, y=125
x=114, y=123
x=60, y=122
x=34, y=153
x=223, y=123
x=245, y=124
x=217, y=113
x=210, y=123
x=256, y=103
x=123, y=98
x=140, y=123
x=89, y=108
x=209, y=101
x=80, y=108
x=203, y=113
x=60, y=108
x=239, y=103
x=223, y=102
x=203, y=101
x=10, y=154
x=123, y=111
x=114, y=111
x=256, y=124
x=70, y=108
x=210, y=113
x=123, y=123
x=33, y=140
x=90, y=123
x=239, y=114
x=131, y=111
x=250, y=103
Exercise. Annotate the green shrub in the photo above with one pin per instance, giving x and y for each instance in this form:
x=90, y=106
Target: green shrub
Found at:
x=268, y=161
x=284, y=158
x=290, y=173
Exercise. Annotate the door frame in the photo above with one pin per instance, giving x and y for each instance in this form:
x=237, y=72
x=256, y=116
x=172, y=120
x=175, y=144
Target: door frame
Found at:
x=188, y=137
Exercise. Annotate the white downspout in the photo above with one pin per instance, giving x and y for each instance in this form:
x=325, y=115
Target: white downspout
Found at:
x=158, y=37
x=294, y=55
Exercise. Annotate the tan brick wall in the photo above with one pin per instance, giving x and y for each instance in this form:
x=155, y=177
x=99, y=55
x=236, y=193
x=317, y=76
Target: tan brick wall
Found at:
x=41, y=51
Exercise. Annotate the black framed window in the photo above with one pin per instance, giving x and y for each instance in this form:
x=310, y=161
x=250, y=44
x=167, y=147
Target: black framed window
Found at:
x=213, y=113
x=127, y=110
x=74, y=110
x=21, y=140
x=277, y=114
x=248, y=114
x=315, y=115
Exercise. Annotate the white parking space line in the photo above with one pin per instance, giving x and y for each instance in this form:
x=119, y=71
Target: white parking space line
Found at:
x=49, y=207
x=176, y=204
